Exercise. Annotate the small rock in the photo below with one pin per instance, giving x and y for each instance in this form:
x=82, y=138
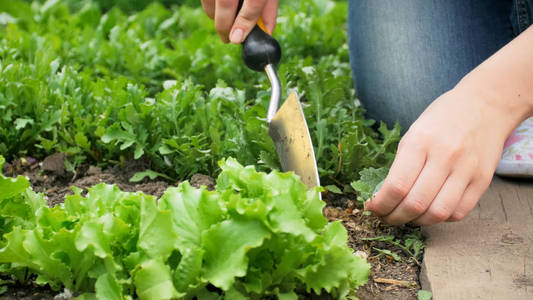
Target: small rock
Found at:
x=55, y=164
x=350, y=203
x=67, y=294
x=94, y=170
x=31, y=160
x=332, y=213
x=198, y=180
x=7, y=168
x=52, y=190
x=355, y=211
x=361, y=254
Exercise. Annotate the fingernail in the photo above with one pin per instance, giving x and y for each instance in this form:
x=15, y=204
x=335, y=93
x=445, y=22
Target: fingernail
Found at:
x=236, y=36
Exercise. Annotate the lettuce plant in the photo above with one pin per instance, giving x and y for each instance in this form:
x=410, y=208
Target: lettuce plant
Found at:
x=256, y=236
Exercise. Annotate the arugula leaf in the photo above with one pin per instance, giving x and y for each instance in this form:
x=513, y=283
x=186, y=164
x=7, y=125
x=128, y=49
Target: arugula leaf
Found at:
x=333, y=188
x=139, y=176
x=387, y=252
x=369, y=183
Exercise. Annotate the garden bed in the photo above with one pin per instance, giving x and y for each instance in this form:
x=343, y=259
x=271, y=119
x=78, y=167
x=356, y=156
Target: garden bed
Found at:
x=99, y=91
x=392, y=276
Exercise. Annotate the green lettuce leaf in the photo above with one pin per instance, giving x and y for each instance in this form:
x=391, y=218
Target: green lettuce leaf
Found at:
x=107, y=287
x=153, y=281
x=226, y=245
x=155, y=238
x=10, y=187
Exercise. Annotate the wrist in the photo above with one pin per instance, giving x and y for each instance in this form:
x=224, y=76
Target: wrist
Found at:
x=504, y=111
x=497, y=96
x=504, y=81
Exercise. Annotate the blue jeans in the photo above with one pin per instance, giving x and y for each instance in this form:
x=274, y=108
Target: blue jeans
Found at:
x=404, y=54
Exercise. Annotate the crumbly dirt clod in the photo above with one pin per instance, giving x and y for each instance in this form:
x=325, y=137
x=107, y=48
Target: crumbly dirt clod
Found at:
x=198, y=180
x=55, y=164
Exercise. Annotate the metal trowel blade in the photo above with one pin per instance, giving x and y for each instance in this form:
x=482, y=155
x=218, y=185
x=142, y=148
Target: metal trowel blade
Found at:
x=288, y=129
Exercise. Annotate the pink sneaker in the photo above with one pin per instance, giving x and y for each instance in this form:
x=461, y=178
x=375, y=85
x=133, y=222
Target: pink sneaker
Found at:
x=517, y=157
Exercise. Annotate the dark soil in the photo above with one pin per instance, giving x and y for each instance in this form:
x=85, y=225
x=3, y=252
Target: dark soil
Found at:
x=50, y=177
x=29, y=292
x=389, y=279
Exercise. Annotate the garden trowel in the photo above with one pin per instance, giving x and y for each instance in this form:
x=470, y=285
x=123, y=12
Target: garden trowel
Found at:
x=286, y=124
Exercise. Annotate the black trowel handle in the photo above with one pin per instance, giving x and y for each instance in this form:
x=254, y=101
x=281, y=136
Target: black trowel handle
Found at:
x=259, y=49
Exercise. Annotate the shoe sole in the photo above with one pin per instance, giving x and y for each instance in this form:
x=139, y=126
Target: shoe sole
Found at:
x=519, y=169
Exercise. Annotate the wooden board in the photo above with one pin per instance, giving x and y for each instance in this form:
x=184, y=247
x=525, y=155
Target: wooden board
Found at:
x=489, y=255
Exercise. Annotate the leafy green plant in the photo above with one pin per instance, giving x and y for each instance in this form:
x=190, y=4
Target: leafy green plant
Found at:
x=388, y=253
x=139, y=176
x=412, y=244
x=369, y=183
x=108, y=84
x=425, y=295
x=256, y=235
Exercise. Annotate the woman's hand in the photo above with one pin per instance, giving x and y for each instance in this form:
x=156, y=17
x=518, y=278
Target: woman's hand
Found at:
x=235, y=30
x=447, y=158
x=445, y=161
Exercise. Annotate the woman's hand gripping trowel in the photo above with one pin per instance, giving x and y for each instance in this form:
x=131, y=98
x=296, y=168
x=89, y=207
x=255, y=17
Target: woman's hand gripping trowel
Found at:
x=286, y=124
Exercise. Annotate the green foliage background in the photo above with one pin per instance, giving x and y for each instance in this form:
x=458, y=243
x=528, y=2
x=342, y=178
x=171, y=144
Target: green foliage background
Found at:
x=144, y=80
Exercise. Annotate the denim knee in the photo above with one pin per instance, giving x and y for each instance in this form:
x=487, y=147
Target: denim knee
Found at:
x=405, y=54
x=521, y=15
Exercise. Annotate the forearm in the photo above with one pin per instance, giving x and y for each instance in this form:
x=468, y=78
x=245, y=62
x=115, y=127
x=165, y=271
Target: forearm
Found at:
x=505, y=80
